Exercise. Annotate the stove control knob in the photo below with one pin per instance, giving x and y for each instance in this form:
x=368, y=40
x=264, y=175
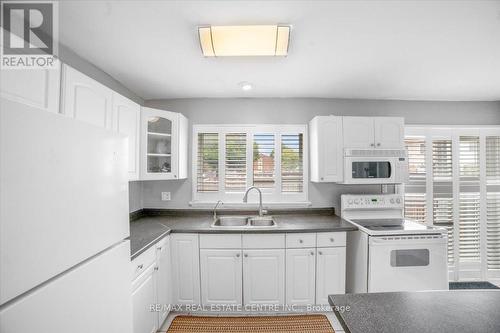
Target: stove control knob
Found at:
x=398, y=200
x=392, y=201
x=349, y=201
x=356, y=201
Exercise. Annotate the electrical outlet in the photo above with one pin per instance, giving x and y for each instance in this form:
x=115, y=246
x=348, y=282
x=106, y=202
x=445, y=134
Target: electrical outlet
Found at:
x=165, y=196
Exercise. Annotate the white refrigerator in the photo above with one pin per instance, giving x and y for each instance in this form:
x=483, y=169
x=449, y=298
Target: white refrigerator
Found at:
x=64, y=257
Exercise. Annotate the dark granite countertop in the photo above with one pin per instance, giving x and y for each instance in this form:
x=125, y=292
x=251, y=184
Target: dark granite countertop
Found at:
x=453, y=311
x=147, y=230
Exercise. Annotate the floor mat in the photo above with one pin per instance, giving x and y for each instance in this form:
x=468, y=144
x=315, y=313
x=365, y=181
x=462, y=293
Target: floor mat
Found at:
x=251, y=324
x=472, y=285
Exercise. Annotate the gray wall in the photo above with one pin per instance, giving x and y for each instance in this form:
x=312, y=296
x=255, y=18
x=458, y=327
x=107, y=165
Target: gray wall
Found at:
x=300, y=111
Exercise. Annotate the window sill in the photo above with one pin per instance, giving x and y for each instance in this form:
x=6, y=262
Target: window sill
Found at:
x=252, y=205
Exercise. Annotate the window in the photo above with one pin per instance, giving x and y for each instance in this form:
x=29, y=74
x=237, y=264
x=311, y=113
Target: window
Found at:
x=229, y=159
x=454, y=182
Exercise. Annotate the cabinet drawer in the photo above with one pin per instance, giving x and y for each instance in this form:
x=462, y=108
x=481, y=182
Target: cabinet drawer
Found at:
x=263, y=241
x=220, y=241
x=143, y=261
x=300, y=240
x=329, y=239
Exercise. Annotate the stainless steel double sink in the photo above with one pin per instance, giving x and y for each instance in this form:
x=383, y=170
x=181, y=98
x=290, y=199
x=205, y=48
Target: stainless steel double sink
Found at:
x=237, y=221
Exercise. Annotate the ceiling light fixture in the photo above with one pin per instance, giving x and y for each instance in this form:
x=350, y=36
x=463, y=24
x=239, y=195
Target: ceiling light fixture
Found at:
x=246, y=86
x=244, y=40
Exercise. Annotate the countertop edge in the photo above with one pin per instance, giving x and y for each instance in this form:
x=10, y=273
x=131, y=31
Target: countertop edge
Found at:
x=150, y=244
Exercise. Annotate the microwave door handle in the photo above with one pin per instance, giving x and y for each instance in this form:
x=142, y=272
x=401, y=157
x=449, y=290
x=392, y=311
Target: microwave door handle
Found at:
x=390, y=170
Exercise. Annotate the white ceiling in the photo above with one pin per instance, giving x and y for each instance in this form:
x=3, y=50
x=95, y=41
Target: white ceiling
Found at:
x=414, y=50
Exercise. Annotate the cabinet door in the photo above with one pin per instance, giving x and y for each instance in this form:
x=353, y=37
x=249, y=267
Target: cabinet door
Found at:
x=264, y=276
x=159, y=144
x=221, y=276
x=163, y=279
x=86, y=99
x=389, y=132
x=300, y=276
x=143, y=297
x=126, y=120
x=326, y=144
x=185, y=269
x=358, y=132
x=330, y=273
x=34, y=87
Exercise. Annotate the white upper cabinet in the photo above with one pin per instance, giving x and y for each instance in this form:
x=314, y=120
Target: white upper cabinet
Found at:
x=389, y=132
x=164, y=140
x=358, y=132
x=326, y=144
x=264, y=276
x=221, y=276
x=300, y=276
x=373, y=132
x=86, y=99
x=126, y=120
x=34, y=87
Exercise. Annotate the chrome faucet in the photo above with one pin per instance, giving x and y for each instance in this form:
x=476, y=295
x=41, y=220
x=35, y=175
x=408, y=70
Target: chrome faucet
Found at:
x=215, y=208
x=245, y=199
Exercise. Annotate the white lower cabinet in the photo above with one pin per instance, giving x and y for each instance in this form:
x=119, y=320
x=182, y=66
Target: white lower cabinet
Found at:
x=185, y=269
x=151, y=287
x=330, y=273
x=300, y=276
x=143, y=296
x=264, y=276
x=221, y=276
x=163, y=280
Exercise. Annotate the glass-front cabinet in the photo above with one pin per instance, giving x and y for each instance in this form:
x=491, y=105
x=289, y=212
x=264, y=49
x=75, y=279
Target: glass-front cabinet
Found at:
x=164, y=144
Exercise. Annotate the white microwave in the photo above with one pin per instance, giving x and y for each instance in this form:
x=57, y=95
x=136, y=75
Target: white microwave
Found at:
x=375, y=166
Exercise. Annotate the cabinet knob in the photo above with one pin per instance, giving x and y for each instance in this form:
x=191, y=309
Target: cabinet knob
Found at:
x=332, y=240
x=159, y=247
x=301, y=241
x=320, y=253
x=237, y=255
x=322, y=178
x=156, y=268
x=378, y=144
x=312, y=253
x=372, y=145
x=140, y=266
x=175, y=176
x=246, y=255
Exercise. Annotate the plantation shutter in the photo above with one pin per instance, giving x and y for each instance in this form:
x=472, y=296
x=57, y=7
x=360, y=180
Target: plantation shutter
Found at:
x=469, y=199
x=235, y=171
x=292, y=154
x=208, y=162
x=415, y=197
x=493, y=202
x=442, y=176
x=263, y=160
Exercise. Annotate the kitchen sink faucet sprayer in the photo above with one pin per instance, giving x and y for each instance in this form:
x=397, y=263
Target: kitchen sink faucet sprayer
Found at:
x=245, y=199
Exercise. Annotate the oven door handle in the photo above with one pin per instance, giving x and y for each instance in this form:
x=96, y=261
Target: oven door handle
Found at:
x=405, y=240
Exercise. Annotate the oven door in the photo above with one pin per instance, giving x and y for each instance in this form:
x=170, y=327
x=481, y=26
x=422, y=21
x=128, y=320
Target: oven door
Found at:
x=369, y=170
x=407, y=263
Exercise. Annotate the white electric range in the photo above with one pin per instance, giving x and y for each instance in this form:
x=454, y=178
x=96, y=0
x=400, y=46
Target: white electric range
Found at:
x=390, y=252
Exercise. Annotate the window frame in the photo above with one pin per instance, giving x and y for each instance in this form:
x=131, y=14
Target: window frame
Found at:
x=270, y=197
